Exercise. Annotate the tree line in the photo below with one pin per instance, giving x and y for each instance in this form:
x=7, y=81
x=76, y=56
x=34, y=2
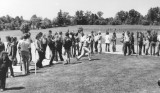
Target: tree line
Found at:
x=131, y=17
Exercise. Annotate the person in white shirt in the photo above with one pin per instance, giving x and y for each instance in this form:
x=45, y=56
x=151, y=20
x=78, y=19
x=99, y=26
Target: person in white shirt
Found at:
x=82, y=39
x=24, y=47
x=126, y=43
x=85, y=48
x=96, y=42
x=107, y=41
x=99, y=42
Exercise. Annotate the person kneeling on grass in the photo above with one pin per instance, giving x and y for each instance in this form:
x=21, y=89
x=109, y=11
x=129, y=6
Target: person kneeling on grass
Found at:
x=85, y=48
x=67, y=43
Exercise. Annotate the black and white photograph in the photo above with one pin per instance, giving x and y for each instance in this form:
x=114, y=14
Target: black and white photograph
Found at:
x=80, y=46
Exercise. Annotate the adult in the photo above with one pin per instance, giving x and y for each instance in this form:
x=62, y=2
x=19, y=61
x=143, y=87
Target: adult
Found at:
x=67, y=43
x=107, y=42
x=126, y=43
x=39, y=48
x=85, y=49
x=4, y=63
x=99, y=42
x=24, y=48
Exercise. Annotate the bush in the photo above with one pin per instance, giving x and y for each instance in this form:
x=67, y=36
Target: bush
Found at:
x=25, y=27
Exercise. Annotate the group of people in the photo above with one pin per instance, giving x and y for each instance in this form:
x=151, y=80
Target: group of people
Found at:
x=146, y=41
x=71, y=45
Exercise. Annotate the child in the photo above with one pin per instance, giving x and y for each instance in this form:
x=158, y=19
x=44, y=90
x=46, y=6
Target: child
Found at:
x=67, y=46
x=4, y=63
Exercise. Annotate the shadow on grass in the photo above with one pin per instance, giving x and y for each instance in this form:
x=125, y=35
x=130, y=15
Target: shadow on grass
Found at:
x=15, y=88
x=78, y=62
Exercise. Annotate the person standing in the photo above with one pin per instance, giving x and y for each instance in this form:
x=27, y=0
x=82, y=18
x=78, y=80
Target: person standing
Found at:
x=67, y=43
x=96, y=42
x=92, y=42
x=99, y=42
x=158, y=45
x=132, y=43
x=59, y=45
x=148, y=39
x=44, y=43
x=2, y=46
x=9, y=51
x=51, y=44
x=153, y=43
x=24, y=47
x=140, y=42
x=122, y=41
x=4, y=63
x=114, y=38
x=126, y=43
x=77, y=43
x=107, y=41
x=39, y=48
x=82, y=38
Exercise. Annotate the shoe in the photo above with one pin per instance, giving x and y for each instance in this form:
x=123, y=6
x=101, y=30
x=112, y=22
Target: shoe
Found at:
x=12, y=76
x=90, y=59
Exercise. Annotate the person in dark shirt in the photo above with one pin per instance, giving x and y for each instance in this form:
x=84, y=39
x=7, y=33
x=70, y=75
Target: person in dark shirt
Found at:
x=4, y=63
x=153, y=42
x=67, y=43
x=140, y=42
x=2, y=47
x=77, y=43
x=132, y=43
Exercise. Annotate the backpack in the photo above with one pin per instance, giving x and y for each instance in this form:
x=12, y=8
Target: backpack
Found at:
x=67, y=43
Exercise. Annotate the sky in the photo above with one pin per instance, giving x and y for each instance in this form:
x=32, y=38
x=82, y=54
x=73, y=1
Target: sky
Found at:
x=50, y=8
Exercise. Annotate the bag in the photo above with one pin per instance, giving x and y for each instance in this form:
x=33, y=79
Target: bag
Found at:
x=67, y=43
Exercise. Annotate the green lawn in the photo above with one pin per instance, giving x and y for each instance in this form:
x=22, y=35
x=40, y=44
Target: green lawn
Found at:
x=106, y=74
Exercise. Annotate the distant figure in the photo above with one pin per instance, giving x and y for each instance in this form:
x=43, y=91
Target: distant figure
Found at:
x=77, y=43
x=122, y=41
x=4, y=63
x=114, y=38
x=96, y=42
x=153, y=43
x=126, y=43
x=132, y=43
x=148, y=40
x=107, y=41
x=92, y=42
x=158, y=45
x=67, y=43
x=140, y=42
x=99, y=42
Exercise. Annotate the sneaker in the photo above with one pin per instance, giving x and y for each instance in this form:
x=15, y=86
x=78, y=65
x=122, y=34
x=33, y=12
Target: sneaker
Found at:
x=77, y=59
x=90, y=59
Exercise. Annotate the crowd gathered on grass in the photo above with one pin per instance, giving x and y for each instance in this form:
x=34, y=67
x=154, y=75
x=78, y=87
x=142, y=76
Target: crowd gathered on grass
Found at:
x=75, y=45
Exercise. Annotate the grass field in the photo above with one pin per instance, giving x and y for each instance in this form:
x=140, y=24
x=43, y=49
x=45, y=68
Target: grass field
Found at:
x=107, y=73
